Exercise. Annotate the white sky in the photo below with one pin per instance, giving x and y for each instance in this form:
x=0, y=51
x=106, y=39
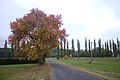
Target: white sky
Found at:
x=81, y=18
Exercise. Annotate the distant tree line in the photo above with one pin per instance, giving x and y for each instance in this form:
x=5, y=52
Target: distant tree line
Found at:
x=108, y=49
x=7, y=56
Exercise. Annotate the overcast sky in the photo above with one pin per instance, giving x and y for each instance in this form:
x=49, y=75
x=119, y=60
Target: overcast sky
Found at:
x=81, y=18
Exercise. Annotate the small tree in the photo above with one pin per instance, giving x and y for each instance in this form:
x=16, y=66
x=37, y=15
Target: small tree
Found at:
x=58, y=55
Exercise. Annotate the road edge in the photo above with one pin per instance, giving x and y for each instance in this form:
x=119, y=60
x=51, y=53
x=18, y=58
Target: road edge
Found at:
x=49, y=71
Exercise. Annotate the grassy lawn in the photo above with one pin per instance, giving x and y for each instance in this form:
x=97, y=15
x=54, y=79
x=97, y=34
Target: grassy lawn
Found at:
x=108, y=68
x=24, y=72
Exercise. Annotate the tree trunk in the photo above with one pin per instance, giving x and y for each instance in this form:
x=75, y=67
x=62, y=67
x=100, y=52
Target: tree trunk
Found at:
x=42, y=60
x=39, y=61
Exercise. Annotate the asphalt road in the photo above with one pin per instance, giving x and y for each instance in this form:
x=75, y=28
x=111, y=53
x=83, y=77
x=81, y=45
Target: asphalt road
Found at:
x=61, y=72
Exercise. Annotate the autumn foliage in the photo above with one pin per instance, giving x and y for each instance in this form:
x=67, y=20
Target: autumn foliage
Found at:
x=35, y=34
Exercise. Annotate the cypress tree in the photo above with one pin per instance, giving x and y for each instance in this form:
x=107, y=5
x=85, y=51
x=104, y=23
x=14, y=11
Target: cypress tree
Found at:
x=89, y=47
x=58, y=50
x=61, y=47
x=95, y=48
x=118, y=47
x=108, y=55
x=64, y=47
x=73, y=49
x=86, y=47
x=12, y=50
x=99, y=46
x=68, y=48
x=114, y=49
x=5, y=49
x=90, y=51
x=110, y=44
x=105, y=49
x=78, y=46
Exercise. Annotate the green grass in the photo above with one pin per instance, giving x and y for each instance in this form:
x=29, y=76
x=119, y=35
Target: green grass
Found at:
x=24, y=72
x=108, y=68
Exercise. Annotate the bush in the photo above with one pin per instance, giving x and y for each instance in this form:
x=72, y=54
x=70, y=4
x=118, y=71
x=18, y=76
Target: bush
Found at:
x=70, y=56
x=66, y=56
x=58, y=55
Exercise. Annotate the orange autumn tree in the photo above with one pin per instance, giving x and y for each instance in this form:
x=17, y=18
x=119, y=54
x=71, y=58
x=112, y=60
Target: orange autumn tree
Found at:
x=35, y=34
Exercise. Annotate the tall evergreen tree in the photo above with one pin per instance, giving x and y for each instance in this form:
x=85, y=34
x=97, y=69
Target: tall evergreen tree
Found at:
x=58, y=55
x=73, y=49
x=114, y=49
x=68, y=48
x=118, y=47
x=64, y=46
x=105, y=49
x=12, y=50
x=86, y=46
x=78, y=46
x=90, y=51
x=110, y=44
x=95, y=48
x=17, y=47
x=89, y=47
x=5, y=49
x=58, y=49
x=61, y=44
x=108, y=55
x=99, y=46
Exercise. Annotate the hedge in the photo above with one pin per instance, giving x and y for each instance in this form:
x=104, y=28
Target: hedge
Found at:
x=5, y=61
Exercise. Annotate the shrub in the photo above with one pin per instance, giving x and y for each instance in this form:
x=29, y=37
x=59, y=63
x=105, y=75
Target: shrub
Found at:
x=58, y=55
x=70, y=56
x=66, y=56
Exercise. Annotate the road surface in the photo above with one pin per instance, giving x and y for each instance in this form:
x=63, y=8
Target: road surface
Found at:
x=61, y=72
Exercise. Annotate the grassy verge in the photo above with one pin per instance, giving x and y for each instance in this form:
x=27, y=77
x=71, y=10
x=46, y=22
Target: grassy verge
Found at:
x=107, y=68
x=24, y=72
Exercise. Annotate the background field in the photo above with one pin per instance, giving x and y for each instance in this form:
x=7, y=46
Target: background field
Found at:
x=24, y=72
x=108, y=68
